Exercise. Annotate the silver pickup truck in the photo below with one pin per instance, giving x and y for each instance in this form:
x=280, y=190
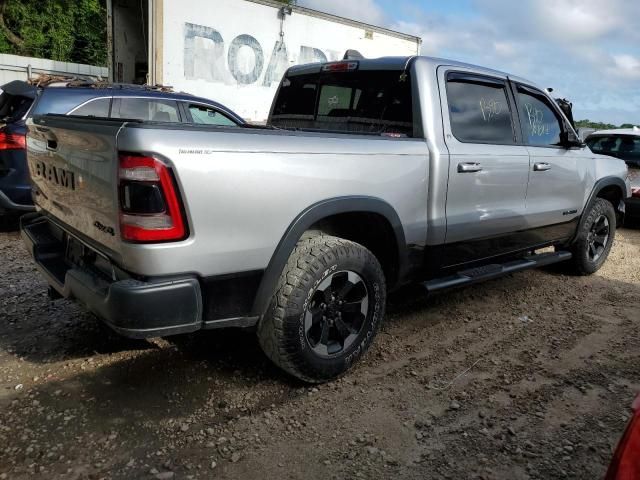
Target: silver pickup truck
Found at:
x=369, y=175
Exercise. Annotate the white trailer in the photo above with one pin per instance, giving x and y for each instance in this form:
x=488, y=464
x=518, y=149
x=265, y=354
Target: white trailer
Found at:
x=233, y=51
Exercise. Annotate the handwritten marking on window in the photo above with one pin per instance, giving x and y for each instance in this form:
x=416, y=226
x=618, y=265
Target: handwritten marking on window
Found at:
x=490, y=109
x=333, y=100
x=536, y=121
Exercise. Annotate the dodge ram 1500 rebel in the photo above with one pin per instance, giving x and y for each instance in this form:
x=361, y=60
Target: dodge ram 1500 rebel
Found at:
x=370, y=174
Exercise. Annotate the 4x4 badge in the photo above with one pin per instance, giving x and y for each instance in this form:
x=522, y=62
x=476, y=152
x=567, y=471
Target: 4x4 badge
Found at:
x=103, y=228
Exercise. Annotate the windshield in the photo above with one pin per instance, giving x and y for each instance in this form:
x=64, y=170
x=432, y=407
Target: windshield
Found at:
x=625, y=147
x=368, y=102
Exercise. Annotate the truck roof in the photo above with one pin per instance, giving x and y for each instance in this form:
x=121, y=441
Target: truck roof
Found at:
x=401, y=63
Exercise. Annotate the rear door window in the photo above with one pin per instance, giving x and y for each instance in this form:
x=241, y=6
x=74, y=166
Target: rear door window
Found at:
x=354, y=101
x=146, y=109
x=94, y=108
x=541, y=124
x=479, y=109
x=203, y=115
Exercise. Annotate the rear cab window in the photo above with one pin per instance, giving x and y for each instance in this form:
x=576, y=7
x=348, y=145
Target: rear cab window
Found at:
x=374, y=102
x=479, y=109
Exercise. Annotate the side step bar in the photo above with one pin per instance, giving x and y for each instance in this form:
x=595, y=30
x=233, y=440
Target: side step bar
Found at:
x=488, y=272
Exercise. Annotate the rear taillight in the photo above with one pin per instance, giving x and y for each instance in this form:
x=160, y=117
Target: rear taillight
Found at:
x=12, y=141
x=150, y=207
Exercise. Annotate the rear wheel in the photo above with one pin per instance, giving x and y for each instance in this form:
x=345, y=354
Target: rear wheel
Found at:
x=595, y=238
x=327, y=309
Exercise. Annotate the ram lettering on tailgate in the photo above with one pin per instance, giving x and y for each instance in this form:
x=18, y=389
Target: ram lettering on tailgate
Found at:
x=56, y=175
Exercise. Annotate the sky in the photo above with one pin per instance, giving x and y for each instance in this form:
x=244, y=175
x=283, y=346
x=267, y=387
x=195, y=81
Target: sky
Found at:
x=587, y=50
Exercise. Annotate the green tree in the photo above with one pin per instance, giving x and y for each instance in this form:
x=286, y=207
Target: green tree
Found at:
x=64, y=30
x=597, y=125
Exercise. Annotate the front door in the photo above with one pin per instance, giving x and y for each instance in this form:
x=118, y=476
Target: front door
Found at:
x=488, y=169
x=558, y=178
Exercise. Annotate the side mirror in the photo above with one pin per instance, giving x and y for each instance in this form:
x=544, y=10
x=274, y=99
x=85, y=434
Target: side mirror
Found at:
x=569, y=140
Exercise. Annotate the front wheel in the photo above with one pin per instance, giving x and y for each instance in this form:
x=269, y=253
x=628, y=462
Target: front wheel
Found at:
x=595, y=238
x=326, y=311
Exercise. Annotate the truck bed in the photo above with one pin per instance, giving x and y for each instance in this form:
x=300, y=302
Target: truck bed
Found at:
x=237, y=185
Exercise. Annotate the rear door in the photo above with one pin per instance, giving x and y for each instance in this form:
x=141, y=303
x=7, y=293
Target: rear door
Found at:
x=558, y=178
x=488, y=170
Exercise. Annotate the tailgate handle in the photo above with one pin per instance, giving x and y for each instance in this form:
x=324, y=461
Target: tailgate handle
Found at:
x=52, y=144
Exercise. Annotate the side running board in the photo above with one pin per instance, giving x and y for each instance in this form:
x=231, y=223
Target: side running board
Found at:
x=488, y=272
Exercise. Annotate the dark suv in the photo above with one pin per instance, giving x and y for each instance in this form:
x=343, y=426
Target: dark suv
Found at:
x=20, y=100
x=15, y=191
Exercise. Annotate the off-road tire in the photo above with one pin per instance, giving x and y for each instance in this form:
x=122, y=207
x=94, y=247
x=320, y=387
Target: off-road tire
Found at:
x=581, y=263
x=281, y=331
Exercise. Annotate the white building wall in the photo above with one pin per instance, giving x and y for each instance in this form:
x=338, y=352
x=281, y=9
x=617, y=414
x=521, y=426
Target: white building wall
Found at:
x=231, y=50
x=14, y=67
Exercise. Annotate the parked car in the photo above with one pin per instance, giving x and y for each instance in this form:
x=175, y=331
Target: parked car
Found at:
x=625, y=145
x=626, y=459
x=633, y=203
x=373, y=174
x=622, y=143
x=91, y=100
x=584, y=132
x=15, y=189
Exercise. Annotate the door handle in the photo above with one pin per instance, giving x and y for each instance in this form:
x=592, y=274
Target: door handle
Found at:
x=469, y=167
x=541, y=167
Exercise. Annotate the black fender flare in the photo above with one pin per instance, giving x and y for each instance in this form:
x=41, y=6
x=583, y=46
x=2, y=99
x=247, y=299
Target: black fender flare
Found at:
x=597, y=188
x=302, y=223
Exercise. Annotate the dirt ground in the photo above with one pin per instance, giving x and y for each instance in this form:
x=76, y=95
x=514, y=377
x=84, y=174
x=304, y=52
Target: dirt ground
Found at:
x=551, y=361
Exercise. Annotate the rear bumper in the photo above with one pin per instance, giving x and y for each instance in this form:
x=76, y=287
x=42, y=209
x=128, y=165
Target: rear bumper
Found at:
x=15, y=183
x=133, y=308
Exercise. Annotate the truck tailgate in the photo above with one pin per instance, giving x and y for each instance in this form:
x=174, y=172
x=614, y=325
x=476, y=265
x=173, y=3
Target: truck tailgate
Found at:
x=73, y=164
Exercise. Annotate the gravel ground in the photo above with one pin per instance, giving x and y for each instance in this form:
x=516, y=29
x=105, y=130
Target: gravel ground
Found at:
x=528, y=376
